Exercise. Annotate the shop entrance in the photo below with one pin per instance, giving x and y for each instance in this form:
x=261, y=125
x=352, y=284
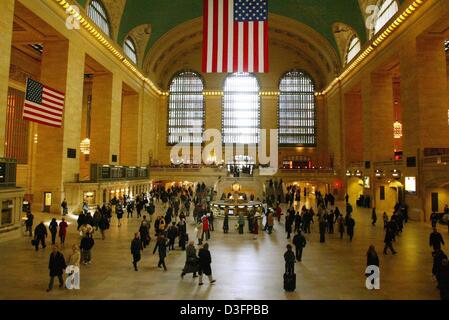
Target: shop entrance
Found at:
x=47, y=202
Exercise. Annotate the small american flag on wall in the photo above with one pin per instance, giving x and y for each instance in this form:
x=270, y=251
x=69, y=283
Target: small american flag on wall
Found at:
x=43, y=104
x=235, y=36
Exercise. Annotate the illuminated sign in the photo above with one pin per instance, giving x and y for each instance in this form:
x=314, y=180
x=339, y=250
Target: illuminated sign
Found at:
x=410, y=184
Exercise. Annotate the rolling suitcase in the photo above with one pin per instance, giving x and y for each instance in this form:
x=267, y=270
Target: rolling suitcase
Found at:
x=289, y=282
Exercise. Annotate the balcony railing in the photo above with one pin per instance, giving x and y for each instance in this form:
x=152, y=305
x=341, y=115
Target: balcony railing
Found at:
x=436, y=160
x=102, y=173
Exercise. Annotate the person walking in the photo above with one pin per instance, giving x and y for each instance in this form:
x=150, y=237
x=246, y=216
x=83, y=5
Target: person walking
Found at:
x=56, y=265
x=65, y=209
x=241, y=223
x=144, y=232
x=103, y=224
x=40, y=233
x=191, y=265
x=29, y=223
x=341, y=226
x=226, y=223
x=199, y=232
x=289, y=219
x=290, y=259
x=270, y=222
x=172, y=233
x=322, y=226
x=205, y=262
x=350, y=227
x=443, y=277
x=300, y=242
x=206, y=230
x=136, y=249
x=119, y=213
x=330, y=222
x=182, y=230
x=53, y=227
x=373, y=217
x=86, y=245
x=63, y=231
x=75, y=257
x=161, y=247
x=372, y=259
x=389, y=237
x=436, y=240
x=385, y=219
x=255, y=228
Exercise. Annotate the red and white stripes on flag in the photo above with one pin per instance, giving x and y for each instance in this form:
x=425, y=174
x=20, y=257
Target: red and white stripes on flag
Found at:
x=43, y=105
x=233, y=45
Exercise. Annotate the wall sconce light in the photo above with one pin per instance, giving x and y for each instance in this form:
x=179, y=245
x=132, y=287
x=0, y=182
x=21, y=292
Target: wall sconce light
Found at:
x=396, y=174
x=358, y=173
x=348, y=173
x=379, y=173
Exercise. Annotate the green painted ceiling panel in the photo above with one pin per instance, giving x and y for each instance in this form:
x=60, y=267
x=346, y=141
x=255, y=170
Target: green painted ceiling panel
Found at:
x=164, y=15
x=167, y=14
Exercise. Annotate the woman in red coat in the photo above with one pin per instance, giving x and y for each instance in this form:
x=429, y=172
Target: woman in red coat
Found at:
x=256, y=228
x=62, y=230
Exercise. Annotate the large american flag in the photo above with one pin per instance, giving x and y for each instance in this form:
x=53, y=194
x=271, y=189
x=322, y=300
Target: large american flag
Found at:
x=235, y=36
x=43, y=104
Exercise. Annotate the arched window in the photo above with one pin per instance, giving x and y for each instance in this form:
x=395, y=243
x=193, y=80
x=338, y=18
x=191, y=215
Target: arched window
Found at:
x=130, y=49
x=241, y=109
x=387, y=9
x=186, y=108
x=97, y=12
x=297, y=110
x=353, y=48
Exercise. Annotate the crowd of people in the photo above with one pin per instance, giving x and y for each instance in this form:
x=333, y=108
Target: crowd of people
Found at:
x=169, y=225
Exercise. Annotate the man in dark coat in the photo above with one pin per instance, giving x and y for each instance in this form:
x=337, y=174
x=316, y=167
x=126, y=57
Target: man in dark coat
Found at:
x=436, y=240
x=56, y=265
x=81, y=220
x=350, y=226
x=289, y=258
x=40, y=233
x=136, y=248
x=205, y=261
x=172, y=233
x=300, y=242
x=161, y=247
x=389, y=237
x=443, y=280
x=29, y=223
x=191, y=265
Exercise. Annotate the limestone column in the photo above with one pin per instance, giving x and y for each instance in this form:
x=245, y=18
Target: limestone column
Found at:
x=106, y=118
x=353, y=128
x=6, y=23
x=269, y=121
x=321, y=121
x=62, y=69
x=130, y=130
x=378, y=117
x=424, y=95
x=424, y=99
x=213, y=115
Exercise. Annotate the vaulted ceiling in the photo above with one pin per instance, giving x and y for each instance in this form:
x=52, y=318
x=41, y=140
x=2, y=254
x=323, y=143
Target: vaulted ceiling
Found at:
x=164, y=15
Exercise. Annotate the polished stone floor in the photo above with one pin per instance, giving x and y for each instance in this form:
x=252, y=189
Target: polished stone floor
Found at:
x=244, y=268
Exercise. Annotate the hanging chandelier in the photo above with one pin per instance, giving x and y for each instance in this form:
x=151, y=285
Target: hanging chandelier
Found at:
x=85, y=146
x=397, y=130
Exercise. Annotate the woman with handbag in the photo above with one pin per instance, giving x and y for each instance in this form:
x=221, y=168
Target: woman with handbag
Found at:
x=191, y=265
